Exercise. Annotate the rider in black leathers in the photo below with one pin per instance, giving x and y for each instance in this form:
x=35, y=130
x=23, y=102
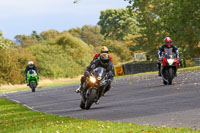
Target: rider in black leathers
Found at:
x=167, y=45
x=103, y=61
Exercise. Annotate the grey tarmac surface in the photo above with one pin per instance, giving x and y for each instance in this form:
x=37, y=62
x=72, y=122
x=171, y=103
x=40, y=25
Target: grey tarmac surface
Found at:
x=137, y=99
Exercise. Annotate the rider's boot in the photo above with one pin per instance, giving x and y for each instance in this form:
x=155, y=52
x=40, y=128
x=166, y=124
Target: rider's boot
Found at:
x=159, y=74
x=80, y=88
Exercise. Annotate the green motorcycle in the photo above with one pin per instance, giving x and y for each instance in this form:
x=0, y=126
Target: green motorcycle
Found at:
x=32, y=79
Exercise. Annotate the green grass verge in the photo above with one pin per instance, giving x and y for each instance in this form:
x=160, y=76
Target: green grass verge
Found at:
x=187, y=69
x=6, y=90
x=15, y=118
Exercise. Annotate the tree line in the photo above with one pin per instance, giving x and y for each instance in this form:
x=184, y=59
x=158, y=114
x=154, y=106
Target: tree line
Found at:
x=140, y=27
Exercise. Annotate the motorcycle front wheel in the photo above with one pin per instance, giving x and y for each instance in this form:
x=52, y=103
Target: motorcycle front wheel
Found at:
x=170, y=75
x=90, y=98
x=33, y=86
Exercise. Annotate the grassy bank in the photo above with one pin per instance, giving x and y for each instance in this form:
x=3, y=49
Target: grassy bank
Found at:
x=45, y=83
x=18, y=119
x=59, y=82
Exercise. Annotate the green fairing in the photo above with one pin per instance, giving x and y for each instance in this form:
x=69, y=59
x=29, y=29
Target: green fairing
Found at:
x=32, y=77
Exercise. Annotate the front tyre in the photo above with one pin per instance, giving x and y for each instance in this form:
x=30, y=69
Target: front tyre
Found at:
x=170, y=75
x=164, y=82
x=90, y=99
x=33, y=86
x=82, y=105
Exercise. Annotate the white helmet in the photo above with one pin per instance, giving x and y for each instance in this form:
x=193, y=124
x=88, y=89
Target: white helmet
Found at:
x=30, y=63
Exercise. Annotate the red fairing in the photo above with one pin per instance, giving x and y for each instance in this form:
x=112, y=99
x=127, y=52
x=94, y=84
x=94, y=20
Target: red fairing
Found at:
x=163, y=61
x=176, y=60
x=169, y=45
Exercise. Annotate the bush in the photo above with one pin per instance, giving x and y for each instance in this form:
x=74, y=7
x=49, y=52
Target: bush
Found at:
x=12, y=65
x=65, y=56
x=189, y=63
x=119, y=49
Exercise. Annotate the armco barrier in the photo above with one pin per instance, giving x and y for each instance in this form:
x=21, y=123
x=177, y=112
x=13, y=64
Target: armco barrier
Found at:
x=197, y=61
x=139, y=67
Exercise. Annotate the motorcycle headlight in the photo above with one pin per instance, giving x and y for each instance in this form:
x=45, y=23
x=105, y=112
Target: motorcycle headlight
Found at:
x=170, y=61
x=92, y=79
x=99, y=78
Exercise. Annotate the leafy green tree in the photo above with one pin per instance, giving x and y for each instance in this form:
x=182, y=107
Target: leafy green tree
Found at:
x=50, y=34
x=5, y=43
x=120, y=49
x=160, y=18
x=89, y=34
x=30, y=40
x=1, y=34
x=117, y=24
x=25, y=40
x=37, y=37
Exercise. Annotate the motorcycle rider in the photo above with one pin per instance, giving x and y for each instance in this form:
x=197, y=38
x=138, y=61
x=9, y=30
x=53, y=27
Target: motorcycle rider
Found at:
x=31, y=66
x=102, y=61
x=167, y=45
x=104, y=49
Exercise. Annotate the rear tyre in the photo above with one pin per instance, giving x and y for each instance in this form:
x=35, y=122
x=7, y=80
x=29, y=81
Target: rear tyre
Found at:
x=90, y=99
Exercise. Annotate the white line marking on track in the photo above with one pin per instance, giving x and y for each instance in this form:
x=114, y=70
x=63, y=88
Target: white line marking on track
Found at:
x=16, y=101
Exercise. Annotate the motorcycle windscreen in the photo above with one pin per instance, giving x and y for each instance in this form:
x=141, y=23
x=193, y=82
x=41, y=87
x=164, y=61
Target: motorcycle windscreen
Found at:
x=99, y=72
x=31, y=72
x=168, y=53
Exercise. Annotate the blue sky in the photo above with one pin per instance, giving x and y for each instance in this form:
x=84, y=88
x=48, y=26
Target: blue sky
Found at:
x=24, y=16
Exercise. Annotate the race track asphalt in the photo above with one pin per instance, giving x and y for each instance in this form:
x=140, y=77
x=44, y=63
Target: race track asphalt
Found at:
x=138, y=99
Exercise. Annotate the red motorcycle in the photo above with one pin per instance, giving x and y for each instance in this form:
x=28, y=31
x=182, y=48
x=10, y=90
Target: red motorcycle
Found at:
x=169, y=66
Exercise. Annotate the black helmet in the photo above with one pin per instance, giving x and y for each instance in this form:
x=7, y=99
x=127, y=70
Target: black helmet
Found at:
x=104, y=59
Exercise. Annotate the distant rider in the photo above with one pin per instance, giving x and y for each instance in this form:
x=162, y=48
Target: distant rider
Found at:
x=31, y=66
x=102, y=61
x=104, y=49
x=167, y=45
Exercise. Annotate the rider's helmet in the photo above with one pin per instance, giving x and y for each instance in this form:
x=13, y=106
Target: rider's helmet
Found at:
x=104, y=49
x=168, y=41
x=104, y=59
x=30, y=64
